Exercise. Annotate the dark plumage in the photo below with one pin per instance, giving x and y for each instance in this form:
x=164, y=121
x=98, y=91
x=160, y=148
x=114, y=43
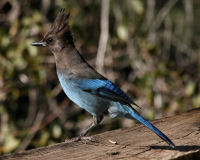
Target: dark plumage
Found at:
x=83, y=84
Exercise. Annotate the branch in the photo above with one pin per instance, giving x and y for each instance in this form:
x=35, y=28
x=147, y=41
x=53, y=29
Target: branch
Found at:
x=103, y=35
x=159, y=19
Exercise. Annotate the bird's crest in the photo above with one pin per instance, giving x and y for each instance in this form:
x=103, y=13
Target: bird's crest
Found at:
x=61, y=28
x=61, y=22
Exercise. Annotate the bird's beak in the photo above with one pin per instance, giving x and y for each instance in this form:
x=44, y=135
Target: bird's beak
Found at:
x=39, y=43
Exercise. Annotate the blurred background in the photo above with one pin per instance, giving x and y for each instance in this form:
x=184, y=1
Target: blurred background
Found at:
x=149, y=48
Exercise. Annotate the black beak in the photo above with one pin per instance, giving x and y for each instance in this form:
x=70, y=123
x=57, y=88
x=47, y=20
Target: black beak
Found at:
x=39, y=43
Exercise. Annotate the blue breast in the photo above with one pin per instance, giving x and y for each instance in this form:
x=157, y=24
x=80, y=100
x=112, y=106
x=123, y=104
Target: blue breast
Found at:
x=93, y=104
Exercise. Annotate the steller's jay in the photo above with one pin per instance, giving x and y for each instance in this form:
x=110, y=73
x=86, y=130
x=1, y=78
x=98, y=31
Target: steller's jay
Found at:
x=83, y=84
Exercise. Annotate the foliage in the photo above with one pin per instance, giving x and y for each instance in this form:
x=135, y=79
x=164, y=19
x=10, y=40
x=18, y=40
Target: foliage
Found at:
x=152, y=53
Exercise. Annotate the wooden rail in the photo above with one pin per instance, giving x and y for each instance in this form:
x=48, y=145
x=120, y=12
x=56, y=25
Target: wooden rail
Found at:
x=130, y=143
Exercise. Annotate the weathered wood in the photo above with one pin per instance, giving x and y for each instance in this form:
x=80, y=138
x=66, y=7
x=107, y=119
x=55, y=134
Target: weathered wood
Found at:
x=131, y=143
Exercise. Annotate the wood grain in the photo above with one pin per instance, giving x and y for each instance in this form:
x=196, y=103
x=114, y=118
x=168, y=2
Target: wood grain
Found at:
x=130, y=143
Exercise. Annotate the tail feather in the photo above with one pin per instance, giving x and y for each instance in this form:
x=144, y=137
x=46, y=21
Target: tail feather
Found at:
x=128, y=112
x=152, y=127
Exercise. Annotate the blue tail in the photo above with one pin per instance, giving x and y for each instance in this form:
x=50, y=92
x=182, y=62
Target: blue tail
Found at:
x=126, y=111
x=153, y=128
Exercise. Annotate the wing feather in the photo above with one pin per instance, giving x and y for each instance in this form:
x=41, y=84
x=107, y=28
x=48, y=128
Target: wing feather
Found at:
x=104, y=88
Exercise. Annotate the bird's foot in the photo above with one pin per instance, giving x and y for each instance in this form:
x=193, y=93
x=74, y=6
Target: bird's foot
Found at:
x=88, y=139
x=76, y=139
x=85, y=140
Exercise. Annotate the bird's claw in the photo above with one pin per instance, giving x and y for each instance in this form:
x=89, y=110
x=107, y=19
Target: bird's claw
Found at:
x=82, y=139
x=88, y=139
x=76, y=139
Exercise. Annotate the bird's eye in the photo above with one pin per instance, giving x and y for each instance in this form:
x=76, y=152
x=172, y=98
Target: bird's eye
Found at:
x=49, y=40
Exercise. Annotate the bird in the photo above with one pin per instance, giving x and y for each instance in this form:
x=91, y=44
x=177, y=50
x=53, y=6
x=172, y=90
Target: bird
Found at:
x=83, y=85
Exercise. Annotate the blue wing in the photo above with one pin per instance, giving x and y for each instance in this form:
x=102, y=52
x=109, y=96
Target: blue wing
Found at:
x=104, y=88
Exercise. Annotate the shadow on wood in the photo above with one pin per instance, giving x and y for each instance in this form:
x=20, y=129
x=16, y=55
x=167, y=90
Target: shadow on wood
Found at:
x=130, y=143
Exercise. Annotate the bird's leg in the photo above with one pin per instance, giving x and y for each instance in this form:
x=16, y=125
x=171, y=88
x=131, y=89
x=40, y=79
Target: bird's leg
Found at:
x=96, y=121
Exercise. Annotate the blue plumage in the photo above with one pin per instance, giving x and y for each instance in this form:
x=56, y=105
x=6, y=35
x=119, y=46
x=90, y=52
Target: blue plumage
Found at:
x=132, y=114
x=85, y=86
x=111, y=87
x=104, y=88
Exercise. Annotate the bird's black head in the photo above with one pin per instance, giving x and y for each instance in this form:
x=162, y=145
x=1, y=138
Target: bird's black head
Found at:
x=59, y=36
